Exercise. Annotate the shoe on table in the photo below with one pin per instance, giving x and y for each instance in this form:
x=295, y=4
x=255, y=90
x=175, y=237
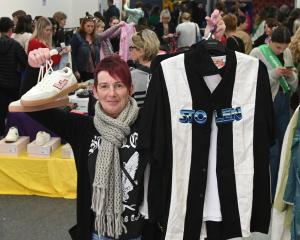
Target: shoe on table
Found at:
x=55, y=84
x=12, y=135
x=16, y=106
x=42, y=138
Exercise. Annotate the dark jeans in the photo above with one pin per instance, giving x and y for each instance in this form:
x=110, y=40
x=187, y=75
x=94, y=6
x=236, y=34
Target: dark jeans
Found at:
x=282, y=117
x=7, y=95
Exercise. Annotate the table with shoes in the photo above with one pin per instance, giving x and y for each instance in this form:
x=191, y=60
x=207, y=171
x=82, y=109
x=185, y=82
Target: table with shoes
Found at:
x=42, y=167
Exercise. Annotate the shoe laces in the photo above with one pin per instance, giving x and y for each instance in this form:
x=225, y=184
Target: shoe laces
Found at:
x=48, y=67
x=42, y=73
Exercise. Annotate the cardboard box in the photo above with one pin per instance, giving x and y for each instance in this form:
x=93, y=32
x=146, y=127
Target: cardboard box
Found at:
x=15, y=148
x=35, y=150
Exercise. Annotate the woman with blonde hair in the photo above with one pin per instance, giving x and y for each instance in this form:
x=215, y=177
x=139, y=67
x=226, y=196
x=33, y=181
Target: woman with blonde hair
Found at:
x=42, y=38
x=144, y=48
x=188, y=31
x=165, y=29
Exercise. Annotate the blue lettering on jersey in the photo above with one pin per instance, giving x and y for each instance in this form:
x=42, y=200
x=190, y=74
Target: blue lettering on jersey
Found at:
x=223, y=116
x=189, y=116
x=228, y=115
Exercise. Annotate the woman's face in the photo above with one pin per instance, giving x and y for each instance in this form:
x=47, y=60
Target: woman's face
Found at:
x=268, y=30
x=89, y=27
x=278, y=48
x=114, y=22
x=100, y=29
x=136, y=53
x=47, y=31
x=62, y=23
x=112, y=94
x=165, y=19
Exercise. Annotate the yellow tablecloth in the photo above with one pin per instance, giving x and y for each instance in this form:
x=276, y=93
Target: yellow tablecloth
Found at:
x=51, y=177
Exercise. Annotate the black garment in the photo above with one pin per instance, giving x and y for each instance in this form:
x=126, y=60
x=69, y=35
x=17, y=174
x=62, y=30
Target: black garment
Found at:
x=30, y=78
x=12, y=61
x=260, y=40
x=115, y=42
x=59, y=37
x=110, y=12
x=7, y=95
x=80, y=132
x=235, y=44
x=13, y=58
x=159, y=30
x=156, y=144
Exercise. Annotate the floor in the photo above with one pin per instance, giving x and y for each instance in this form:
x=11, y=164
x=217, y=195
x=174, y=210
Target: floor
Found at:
x=41, y=218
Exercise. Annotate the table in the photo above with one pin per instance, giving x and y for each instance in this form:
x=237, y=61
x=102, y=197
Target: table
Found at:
x=50, y=177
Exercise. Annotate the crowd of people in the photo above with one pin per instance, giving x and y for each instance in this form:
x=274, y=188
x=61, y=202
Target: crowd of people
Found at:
x=120, y=87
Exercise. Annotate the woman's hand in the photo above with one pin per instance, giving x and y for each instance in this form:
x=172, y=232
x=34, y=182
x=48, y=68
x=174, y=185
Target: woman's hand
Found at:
x=121, y=24
x=288, y=72
x=215, y=21
x=65, y=50
x=38, y=57
x=280, y=71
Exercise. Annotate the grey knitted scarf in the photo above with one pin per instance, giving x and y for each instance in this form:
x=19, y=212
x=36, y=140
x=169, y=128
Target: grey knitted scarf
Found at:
x=107, y=187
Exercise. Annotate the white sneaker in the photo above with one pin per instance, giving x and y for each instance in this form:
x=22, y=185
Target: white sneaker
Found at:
x=12, y=135
x=42, y=138
x=53, y=85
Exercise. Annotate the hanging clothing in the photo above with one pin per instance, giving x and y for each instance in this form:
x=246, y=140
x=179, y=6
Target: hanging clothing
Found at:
x=282, y=212
x=175, y=134
x=127, y=32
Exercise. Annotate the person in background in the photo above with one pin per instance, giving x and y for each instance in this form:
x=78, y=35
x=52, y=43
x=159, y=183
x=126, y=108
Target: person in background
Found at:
x=232, y=41
x=283, y=81
x=12, y=57
x=293, y=20
x=270, y=25
x=23, y=31
x=188, y=32
x=99, y=16
x=144, y=48
x=112, y=11
x=59, y=36
x=85, y=46
x=165, y=29
x=16, y=15
x=242, y=34
x=42, y=38
x=154, y=16
x=106, y=48
x=133, y=14
x=110, y=173
x=294, y=47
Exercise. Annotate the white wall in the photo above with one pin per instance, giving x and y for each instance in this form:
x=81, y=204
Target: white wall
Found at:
x=73, y=8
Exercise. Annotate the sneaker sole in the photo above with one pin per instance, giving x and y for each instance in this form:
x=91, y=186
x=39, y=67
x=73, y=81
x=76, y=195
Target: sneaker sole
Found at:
x=38, y=102
x=18, y=107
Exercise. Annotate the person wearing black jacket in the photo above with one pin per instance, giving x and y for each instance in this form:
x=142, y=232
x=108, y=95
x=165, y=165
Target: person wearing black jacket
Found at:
x=59, y=36
x=12, y=57
x=105, y=155
x=112, y=11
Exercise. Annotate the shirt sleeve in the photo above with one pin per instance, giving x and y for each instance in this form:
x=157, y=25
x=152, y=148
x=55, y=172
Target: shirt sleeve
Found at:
x=262, y=140
x=155, y=120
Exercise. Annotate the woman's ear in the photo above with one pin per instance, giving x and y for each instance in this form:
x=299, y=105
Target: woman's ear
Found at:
x=95, y=93
x=131, y=90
